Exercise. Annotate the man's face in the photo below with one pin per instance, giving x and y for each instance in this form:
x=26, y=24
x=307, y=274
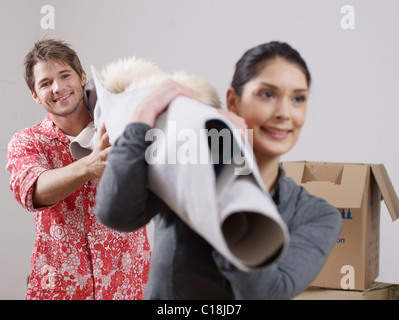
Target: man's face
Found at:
x=58, y=87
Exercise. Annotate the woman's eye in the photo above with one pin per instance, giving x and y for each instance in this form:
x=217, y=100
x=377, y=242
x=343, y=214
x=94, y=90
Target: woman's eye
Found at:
x=266, y=94
x=299, y=98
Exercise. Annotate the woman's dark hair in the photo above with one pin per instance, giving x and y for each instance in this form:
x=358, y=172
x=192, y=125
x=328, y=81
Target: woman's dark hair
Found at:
x=253, y=61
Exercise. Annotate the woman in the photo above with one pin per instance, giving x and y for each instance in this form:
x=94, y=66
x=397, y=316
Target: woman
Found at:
x=269, y=95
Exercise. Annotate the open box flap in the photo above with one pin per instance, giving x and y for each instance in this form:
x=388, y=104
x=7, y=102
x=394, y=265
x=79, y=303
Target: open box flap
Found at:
x=387, y=191
x=342, y=185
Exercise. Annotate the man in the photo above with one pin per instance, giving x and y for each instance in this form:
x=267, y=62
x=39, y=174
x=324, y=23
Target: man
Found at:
x=74, y=256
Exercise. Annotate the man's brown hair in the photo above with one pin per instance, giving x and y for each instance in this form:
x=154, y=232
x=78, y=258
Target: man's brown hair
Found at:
x=50, y=50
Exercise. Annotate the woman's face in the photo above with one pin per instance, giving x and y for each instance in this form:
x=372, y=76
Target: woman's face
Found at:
x=273, y=105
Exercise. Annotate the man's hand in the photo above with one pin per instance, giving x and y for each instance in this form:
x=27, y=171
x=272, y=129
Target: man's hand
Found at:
x=57, y=184
x=97, y=160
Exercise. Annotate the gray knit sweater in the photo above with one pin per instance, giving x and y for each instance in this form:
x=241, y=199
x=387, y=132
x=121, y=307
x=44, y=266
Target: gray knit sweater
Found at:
x=184, y=265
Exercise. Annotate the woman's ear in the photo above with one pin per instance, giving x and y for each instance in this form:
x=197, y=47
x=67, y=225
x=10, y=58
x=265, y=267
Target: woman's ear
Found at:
x=232, y=100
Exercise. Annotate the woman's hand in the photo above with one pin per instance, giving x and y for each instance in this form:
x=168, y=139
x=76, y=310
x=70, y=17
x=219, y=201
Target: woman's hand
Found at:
x=158, y=100
x=238, y=121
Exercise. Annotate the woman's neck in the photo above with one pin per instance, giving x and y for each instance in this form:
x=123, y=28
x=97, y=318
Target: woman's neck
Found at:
x=269, y=170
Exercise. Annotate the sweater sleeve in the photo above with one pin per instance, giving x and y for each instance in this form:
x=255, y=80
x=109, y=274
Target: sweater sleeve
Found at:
x=122, y=194
x=314, y=228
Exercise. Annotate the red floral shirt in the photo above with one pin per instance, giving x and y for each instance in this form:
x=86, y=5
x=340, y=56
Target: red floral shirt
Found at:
x=74, y=256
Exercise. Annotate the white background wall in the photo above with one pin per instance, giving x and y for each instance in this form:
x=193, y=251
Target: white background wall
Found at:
x=353, y=109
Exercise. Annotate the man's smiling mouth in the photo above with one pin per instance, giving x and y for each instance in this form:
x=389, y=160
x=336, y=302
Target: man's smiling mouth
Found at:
x=62, y=98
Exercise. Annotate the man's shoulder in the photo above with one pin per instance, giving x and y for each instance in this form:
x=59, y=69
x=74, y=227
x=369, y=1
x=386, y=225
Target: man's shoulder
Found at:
x=28, y=134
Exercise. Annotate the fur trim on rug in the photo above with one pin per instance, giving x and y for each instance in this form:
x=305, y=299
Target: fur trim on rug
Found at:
x=133, y=73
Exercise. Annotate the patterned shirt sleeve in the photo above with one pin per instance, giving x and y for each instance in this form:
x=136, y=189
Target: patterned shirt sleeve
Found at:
x=25, y=162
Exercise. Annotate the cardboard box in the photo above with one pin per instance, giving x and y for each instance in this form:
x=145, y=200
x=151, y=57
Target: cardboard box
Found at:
x=356, y=190
x=377, y=291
